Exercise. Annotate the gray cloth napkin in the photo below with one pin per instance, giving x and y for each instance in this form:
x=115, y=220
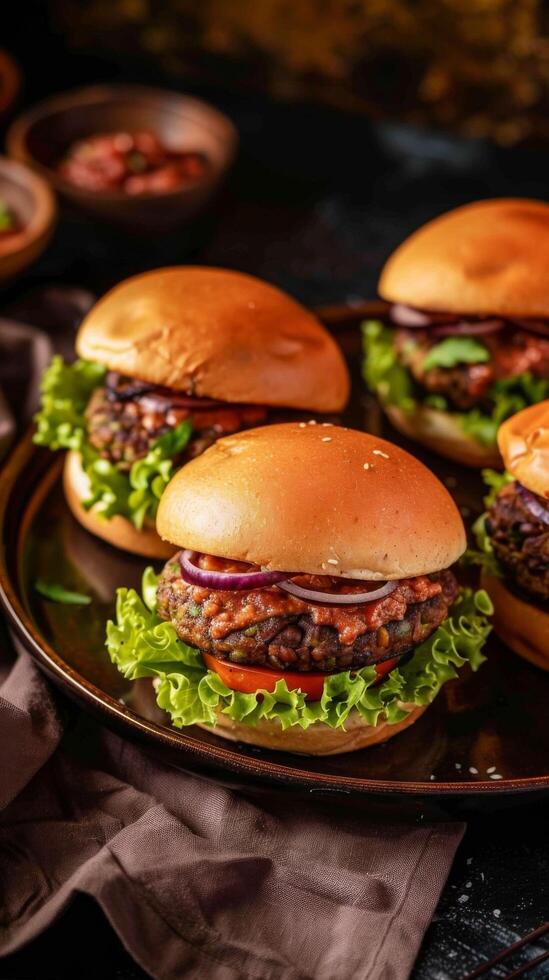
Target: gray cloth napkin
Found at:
x=198, y=881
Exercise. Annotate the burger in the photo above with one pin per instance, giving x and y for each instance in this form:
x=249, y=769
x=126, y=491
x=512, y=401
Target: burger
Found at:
x=513, y=535
x=310, y=606
x=466, y=341
x=169, y=361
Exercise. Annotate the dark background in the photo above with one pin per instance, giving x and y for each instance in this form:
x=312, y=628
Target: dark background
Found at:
x=318, y=199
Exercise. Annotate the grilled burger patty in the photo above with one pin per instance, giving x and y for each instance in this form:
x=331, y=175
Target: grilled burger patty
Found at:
x=268, y=627
x=512, y=352
x=520, y=541
x=125, y=418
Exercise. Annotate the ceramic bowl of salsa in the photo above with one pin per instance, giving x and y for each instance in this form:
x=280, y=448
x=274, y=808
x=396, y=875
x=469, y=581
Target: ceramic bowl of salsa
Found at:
x=27, y=217
x=142, y=158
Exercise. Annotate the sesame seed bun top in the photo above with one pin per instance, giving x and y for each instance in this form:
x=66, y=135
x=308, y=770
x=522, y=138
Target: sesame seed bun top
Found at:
x=314, y=498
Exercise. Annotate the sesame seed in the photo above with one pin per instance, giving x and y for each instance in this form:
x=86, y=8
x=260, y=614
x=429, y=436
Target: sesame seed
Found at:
x=458, y=765
x=302, y=425
x=496, y=775
x=366, y=466
x=327, y=425
x=311, y=422
x=473, y=771
x=326, y=439
x=333, y=561
x=497, y=913
x=491, y=769
x=432, y=776
x=378, y=452
x=462, y=899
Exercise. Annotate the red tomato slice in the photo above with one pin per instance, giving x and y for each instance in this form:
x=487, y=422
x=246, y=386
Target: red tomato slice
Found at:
x=248, y=680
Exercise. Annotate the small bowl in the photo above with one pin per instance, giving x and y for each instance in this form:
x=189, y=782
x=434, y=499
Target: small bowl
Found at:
x=41, y=137
x=30, y=199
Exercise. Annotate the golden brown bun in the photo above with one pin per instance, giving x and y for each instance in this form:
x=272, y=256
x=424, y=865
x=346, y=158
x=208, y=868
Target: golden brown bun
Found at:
x=524, y=443
x=522, y=625
x=441, y=432
x=490, y=257
x=116, y=530
x=219, y=334
x=319, y=739
x=297, y=497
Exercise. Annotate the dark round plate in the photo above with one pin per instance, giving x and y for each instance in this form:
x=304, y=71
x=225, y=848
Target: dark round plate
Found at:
x=492, y=724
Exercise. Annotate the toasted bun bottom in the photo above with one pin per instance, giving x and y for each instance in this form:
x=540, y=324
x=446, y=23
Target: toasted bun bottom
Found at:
x=441, y=432
x=319, y=739
x=521, y=625
x=116, y=530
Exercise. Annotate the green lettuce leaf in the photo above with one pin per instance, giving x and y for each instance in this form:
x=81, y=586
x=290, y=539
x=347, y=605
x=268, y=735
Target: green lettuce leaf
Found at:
x=61, y=424
x=381, y=369
x=387, y=377
x=456, y=350
x=66, y=390
x=508, y=396
x=143, y=645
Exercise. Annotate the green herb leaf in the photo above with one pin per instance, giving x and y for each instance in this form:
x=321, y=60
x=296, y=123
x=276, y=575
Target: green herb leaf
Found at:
x=143, y=645
x=456, y=350
x=57, y=593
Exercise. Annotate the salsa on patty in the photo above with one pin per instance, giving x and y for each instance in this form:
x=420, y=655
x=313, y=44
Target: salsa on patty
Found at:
x=267, y=626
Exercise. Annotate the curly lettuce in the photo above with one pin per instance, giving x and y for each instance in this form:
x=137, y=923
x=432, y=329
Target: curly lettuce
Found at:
x=65, y=391
x=387, y=377
x=61, y=424
x=483, y=555
x=143, y=645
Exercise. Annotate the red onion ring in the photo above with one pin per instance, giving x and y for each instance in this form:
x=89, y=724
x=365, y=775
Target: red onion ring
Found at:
x=406, y=316
x=153, y=401
x=332, y=598
x=535, y=506
x=468, y=329
x=534, y=326
x=240, y=581
x=230, y=581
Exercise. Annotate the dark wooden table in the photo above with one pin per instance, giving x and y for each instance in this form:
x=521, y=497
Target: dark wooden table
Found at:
x=316, y=203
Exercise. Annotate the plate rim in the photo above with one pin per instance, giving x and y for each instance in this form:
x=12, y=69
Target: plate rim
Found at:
x=123, y=717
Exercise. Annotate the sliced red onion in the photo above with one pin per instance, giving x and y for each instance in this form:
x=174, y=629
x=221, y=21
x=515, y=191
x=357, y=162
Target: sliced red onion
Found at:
x=337, y=599
x=535, y=506
x=468, y=328
x=153, y=401
x=240, y=581
x=231, y=581
x=534, y=326
x=408, y=316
